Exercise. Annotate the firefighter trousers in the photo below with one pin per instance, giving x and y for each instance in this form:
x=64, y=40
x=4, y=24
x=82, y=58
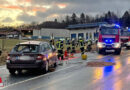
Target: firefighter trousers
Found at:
x=60, y=54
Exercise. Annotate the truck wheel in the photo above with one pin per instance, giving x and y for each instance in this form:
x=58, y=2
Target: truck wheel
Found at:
x=127, y=47
x=98, y=51
x=19, y=71
x=101, y=51
x=118, y=52
x=12, y=71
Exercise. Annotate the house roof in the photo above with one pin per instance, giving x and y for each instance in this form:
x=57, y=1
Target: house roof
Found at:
x=82, y=26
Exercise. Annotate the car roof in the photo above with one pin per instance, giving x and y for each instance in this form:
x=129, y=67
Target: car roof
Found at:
x=32, y=42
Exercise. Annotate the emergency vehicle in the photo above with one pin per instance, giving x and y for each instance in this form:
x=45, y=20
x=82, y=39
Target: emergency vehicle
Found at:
x=109, y=39
x=125, y=38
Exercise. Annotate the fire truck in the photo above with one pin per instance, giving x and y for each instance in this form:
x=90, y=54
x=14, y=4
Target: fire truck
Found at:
x=109, y=39
x=125, y=38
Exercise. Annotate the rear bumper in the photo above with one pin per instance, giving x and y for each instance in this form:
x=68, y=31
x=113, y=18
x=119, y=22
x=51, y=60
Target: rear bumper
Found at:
x=127, y=45
x=109, y=48
x=36, y=65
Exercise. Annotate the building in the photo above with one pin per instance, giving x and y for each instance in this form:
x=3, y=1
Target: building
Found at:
x=25, y=32
x=45, y=33
x=9, y=33
x=86, y=31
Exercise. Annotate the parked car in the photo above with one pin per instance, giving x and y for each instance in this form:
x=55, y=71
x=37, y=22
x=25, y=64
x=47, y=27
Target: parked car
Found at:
x=31, y=55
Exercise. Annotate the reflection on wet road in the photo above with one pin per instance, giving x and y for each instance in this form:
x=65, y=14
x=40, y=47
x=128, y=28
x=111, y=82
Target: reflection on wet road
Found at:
x=110, y=77
x=76, y=75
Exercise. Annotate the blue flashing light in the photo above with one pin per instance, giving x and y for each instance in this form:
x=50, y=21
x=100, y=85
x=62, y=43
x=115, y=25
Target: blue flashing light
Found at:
x=129, y=29
x=108, y=41
x=117, y=25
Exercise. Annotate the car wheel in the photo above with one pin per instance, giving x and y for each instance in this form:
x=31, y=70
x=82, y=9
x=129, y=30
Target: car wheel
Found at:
x=12, y=71
x=19, y=71
x=127, y=47
x=99, y=51
x=118, y=52
x=55, y=64
x=46, y=68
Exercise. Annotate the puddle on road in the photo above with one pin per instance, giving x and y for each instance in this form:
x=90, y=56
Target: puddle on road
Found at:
x=99, y=64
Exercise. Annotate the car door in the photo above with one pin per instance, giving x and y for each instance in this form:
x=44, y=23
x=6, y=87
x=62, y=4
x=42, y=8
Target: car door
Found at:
x=44, y=50
x=49, y=54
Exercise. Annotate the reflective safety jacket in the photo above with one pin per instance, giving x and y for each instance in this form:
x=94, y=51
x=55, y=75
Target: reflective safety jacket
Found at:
x=73, y=43
x=59, y=45
x=81, y=43
x=89, y=42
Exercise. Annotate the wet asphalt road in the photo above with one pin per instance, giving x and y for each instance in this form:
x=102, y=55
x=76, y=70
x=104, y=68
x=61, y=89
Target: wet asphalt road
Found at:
x=75, y=74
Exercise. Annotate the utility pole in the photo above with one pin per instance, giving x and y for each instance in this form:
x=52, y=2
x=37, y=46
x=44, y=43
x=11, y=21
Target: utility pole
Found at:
x=3, y=43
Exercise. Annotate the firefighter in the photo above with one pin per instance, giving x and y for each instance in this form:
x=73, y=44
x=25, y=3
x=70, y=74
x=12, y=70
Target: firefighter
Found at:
x=81, y=44
x=73, y=46
x=68, y=45
x=52, y=41
x=89, y=45
x=60, y=50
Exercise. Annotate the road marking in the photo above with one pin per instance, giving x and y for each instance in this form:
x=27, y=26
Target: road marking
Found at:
x=43, y=75
x=38, y=77
x=3, y=67
x=53, y=82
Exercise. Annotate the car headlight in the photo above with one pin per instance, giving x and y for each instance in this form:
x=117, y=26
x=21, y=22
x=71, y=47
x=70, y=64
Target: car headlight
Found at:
x=128, y=43
x=100, y=45
x=117, y=45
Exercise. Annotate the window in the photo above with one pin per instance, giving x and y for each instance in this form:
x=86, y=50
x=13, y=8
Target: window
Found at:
x=81, y=35
x=86, y=36
x=43, y=48
x=73, y=36
x=47, y=46
x=109, y=31
x=26, y=48
x=125, y=33
x=90, y=35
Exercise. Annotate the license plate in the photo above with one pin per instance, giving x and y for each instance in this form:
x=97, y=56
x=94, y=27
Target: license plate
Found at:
x=17, y=58
x=109, y=46
x=25, y=58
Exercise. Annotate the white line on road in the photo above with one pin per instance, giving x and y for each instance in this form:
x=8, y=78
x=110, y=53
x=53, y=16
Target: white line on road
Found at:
x=38, y=77
x=55, y=81
x=3, y=67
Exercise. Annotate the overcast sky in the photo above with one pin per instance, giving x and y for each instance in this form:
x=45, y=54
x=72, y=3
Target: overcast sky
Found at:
x=15, y=12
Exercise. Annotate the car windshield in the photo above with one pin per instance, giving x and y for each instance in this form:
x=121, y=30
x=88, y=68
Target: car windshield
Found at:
x=109, y=31
x=26, y=48
x=125, y=33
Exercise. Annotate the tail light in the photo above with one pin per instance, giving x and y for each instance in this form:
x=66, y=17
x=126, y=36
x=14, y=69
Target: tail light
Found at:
x=129, y=38
x=40, y=57
x=8, y=57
